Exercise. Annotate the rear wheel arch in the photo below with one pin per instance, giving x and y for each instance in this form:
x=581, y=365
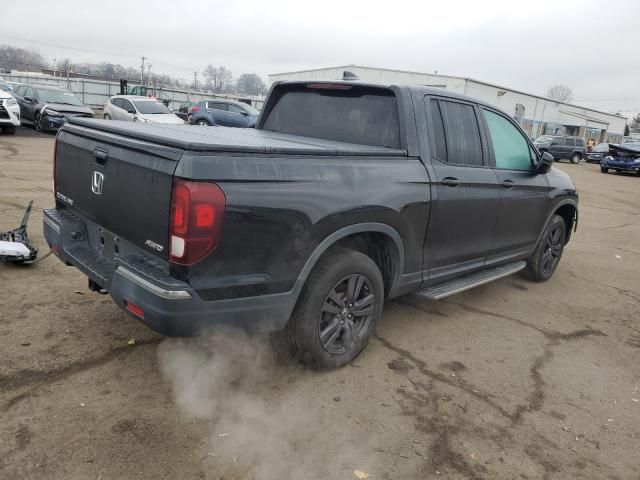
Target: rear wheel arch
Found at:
x=381, y=242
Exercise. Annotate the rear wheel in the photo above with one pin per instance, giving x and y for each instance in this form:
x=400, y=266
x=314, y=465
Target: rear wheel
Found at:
x=37, y=122
x=9, y=129
x=546, y=256
x=337, y=311
x=202, y=122
x=576, y=157
x=604, y=169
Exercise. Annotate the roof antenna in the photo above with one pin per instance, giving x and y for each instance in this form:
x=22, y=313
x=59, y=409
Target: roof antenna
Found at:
x=347, y=75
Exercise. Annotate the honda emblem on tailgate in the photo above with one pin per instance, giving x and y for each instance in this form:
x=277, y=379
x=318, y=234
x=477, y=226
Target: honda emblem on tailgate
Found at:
x=97, y=181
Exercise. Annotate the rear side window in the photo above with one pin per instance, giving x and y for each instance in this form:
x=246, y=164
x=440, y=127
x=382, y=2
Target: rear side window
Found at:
x=439, y=139
x=218, y=106
x=569, y=142
x=510, y=148
x=354, y=114
x=457, y=139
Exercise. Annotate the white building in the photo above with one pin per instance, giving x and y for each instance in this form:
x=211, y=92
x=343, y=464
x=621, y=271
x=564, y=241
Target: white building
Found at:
x=537, y=115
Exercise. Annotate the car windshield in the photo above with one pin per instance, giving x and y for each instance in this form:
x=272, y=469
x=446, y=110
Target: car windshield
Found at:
x=58, y=96
x=544, y=139
x=150, y=108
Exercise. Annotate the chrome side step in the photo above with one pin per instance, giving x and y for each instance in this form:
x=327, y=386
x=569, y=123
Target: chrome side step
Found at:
x=474, y=280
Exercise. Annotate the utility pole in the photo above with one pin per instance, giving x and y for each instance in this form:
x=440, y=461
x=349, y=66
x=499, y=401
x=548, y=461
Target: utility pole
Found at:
x=195, y=80
x=149, y=65
x=142, y=71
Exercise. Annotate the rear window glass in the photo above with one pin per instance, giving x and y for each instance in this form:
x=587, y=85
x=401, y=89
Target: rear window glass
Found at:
x=366, y=116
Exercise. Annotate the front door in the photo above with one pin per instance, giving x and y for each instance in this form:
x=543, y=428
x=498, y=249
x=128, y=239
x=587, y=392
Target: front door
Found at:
x=465, y=192
x=524, y=193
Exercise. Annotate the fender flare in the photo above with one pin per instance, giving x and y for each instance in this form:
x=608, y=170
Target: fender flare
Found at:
x=556, y=207
x=369, y=227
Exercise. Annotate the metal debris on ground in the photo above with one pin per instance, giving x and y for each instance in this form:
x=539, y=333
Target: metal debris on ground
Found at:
x=15, y=245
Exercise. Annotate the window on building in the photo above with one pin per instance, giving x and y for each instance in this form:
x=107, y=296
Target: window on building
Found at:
x=510, y=148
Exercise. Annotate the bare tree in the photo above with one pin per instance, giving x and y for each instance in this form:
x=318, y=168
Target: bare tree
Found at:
x=13, y=58
x=560, y=93
x=217, y=79
x=250, y=83
x=634, y=124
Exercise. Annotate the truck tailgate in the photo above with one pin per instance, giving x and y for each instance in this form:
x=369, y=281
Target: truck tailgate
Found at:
x=122, y=184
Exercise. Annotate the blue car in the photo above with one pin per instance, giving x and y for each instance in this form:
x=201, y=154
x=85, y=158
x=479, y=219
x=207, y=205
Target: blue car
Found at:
x=622, y=158
x=225, y=113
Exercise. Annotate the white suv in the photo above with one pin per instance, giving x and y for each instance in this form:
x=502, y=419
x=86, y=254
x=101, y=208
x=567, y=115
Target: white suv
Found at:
x=9, y=113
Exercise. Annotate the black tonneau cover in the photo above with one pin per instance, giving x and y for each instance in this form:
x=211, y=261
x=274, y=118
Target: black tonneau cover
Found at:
x=227, y=139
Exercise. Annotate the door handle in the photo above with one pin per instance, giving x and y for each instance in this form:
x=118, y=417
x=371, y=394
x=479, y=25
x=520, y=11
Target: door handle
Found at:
x=508, y=184
x=450, y=182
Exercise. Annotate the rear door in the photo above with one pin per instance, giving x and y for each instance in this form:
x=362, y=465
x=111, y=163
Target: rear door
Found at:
x=219, y=111
x=524, y=193
x=465, y=191
x=557, y=148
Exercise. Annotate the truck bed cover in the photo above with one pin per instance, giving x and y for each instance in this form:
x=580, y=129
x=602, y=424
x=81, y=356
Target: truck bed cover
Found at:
x=227, y=139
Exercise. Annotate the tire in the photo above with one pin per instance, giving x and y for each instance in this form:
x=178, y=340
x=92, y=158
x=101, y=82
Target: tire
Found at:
x=37, y=122
x=9, y=129
x=106, y=116
x=604, y=169
x=576, y=157
x=546, y=257
x=202, y=122
x=327, y=329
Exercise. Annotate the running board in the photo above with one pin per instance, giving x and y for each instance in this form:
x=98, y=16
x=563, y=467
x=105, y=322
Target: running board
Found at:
x=458, y=285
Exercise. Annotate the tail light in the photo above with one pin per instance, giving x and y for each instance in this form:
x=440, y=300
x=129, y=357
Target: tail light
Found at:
x=195, y=108
x=197, y=210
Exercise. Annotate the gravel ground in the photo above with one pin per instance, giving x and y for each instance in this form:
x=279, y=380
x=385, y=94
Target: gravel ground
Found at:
x=512, y=380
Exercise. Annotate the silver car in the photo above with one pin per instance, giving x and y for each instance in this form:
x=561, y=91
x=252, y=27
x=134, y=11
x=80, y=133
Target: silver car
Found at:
x=133, y=108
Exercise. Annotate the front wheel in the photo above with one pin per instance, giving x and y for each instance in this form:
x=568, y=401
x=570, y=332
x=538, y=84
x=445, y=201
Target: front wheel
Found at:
x=37, y=122
x=546, y=256
x=604, y=169
x=202, y=123
x=337, y=311
x=107, y=116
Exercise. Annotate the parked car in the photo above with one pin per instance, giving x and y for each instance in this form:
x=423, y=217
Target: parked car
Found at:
x=48, y=107
x=186, y=107
x=9, y=113
x=622, y=158
x=562, y=147
x=345, y=194
x=596, y=154
x=225, y=113
x=5, y=86
x=132, y=108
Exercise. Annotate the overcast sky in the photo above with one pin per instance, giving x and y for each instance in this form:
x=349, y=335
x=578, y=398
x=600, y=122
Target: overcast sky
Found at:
x=591, y=46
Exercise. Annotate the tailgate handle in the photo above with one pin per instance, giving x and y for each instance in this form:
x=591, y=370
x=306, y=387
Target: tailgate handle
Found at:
x=101, y=156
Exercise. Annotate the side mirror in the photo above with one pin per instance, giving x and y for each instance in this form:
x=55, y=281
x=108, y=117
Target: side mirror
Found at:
x=28, y=99
x=546, y=160
x=244, y=114
x=131, y=111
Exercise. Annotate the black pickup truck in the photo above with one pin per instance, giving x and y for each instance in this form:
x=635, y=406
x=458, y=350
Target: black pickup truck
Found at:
x=345, y=194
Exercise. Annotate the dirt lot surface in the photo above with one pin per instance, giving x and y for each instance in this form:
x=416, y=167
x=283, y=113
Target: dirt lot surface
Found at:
x=512, y=380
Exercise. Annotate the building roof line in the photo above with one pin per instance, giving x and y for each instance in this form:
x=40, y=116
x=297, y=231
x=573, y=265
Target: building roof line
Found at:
x=466, y=79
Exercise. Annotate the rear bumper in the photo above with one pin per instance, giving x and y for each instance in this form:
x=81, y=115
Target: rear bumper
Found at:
x=168, y=305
